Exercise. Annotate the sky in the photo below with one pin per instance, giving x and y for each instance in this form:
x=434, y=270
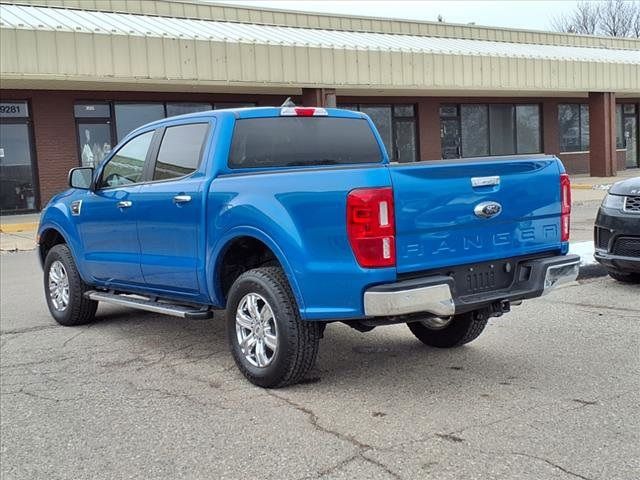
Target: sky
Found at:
x=536, y=15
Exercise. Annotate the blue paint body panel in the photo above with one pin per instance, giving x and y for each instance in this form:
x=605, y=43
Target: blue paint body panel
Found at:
x=159, y=248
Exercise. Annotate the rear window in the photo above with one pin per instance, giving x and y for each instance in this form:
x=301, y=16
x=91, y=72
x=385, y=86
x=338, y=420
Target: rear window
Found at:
x=300, y=141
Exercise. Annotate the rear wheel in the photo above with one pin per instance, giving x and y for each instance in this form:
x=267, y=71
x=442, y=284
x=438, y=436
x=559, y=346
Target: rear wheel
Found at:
x=271, y=345
x=64, y=289
x=452, y=332
x=624, y=277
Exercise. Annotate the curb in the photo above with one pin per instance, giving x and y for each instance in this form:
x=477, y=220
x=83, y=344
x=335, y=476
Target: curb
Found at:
x=18, y=227
x=589, y=186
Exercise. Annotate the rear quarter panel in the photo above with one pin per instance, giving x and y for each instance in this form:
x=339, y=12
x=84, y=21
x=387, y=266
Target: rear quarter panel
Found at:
x=301, y=215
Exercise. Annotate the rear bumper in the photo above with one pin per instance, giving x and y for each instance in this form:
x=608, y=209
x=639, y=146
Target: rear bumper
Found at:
x=436, y=295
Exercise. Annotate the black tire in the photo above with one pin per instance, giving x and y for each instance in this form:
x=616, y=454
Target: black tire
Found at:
x=462, y=329
x=79, y=310
x=624, y=277
x=298, y=340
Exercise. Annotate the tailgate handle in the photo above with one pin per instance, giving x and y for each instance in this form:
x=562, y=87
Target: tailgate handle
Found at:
x=485, y=181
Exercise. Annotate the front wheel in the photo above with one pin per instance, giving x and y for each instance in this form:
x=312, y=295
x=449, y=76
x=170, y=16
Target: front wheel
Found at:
x=271, y=345
x=64, y=289
x=452, y=332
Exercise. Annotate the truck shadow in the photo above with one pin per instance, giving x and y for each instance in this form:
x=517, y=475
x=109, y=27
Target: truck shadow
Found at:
x=388, y=358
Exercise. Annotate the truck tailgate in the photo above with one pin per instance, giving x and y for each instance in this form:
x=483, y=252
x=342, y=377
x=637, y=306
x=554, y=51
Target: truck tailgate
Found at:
x=434, y=208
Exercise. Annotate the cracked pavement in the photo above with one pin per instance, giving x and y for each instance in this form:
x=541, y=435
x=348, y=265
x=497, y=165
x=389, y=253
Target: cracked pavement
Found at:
x=550, y=390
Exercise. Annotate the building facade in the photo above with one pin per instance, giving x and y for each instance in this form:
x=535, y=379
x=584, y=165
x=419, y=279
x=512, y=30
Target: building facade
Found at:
x=78, y=75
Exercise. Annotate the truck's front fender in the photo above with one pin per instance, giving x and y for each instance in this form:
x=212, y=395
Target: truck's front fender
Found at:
x=56, y=216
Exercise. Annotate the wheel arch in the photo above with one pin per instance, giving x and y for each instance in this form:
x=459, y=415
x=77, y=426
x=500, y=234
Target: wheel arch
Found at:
x=48, y=238
x=234, y=239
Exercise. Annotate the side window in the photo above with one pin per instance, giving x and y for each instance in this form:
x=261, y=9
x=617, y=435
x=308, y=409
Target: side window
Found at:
x=180, y=151
x=127, y=165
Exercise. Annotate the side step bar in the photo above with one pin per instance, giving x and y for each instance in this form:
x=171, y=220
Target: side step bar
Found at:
x=182, y=311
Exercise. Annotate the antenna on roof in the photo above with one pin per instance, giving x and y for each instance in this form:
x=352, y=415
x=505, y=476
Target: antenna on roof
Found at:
x=288, y=103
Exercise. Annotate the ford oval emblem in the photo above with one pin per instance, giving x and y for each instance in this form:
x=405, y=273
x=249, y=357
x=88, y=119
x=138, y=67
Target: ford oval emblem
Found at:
x=487, y=209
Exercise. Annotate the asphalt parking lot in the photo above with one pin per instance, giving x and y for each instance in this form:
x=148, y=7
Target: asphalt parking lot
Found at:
x=548, y=391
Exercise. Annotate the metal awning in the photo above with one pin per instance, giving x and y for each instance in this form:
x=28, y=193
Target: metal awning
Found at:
x=164, y=49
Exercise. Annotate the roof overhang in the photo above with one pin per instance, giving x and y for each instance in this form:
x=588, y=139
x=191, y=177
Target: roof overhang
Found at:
x=53, y=47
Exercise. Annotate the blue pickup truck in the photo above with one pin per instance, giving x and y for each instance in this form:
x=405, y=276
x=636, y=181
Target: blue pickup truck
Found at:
x=293, y=217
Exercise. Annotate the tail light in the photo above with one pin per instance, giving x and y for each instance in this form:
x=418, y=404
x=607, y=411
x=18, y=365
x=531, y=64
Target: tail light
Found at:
x=371, y=227
x=565, y=207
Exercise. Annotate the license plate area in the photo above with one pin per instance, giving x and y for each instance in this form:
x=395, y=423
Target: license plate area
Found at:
x=483, y=277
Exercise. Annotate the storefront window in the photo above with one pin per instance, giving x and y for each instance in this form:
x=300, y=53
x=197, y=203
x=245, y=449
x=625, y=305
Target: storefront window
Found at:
x=130, y=116
x=17, y=185
x=573, y=119
x=183, y=108
x=502, y=128
x=397, y=127
x=381, y=117
x=476, y=130
x=528, y=128
x=220, y=105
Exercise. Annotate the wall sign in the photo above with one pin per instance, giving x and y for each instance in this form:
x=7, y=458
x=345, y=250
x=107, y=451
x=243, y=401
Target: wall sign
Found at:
x=14, y=110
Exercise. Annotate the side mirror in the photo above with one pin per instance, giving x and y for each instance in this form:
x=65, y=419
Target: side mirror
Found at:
x=81, y=177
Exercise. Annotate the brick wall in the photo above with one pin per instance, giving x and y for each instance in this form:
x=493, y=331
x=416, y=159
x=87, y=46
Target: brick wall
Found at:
x=54, y=125
x=57, y=150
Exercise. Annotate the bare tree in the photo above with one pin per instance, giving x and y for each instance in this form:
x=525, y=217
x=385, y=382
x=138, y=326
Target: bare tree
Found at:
x=584, y=19
x=616, y=18
x=635, y=26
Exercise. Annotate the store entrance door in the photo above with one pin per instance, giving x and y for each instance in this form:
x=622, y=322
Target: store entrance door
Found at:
x=18, y=190
x=631, y=141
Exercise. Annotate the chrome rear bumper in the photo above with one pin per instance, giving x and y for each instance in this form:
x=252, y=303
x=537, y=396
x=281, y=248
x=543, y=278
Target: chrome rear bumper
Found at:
x=436, y=295
x=435, y=299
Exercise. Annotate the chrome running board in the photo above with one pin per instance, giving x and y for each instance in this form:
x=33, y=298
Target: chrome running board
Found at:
x=141, y=303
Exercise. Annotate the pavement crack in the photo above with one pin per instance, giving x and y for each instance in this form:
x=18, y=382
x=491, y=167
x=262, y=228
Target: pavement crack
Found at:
x=547, y=461
x=450, y=438
x=169, y=394
x=40, y=397
x=73, y=337
x=598, y=307
x=19, y=331
x=313, y=420
x=361, y=447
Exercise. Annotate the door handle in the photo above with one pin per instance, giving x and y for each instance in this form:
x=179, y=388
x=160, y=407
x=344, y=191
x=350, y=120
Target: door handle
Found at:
x=125, y=204
x=178, y=199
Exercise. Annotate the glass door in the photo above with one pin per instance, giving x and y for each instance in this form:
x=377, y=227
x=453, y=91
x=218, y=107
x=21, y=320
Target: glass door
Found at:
x=450, y=137
x=18, y=190
x=630, y=134
x=94, y=139
x=631, y=137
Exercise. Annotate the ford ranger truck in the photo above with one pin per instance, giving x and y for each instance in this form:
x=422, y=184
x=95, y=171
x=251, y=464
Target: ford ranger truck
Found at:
x=291, y=218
